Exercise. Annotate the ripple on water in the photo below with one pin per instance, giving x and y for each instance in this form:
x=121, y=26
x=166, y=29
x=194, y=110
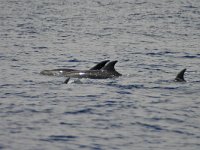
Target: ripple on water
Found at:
x=60, y=138
x=141, y=110
x=152, y=127
x=81, y=111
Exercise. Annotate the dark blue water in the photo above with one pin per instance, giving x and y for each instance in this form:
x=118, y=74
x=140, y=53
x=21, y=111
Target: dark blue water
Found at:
x=142, y=110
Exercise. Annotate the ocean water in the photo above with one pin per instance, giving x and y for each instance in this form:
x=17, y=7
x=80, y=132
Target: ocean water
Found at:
x=142, y=110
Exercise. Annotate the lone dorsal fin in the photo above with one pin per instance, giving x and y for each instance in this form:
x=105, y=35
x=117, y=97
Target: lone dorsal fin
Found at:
x=67, y=80
x=180, y=76
x=110, y=66
x=99, y=65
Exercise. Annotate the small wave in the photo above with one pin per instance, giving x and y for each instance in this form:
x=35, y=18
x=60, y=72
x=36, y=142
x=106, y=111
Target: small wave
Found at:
x=181, y=132
x=70, y=124
x=124, y=92
x=40, y=47
x=171, y=120
x=160, y=53
x=74, y=60
x=150, y=126
x=61, y=138
x=165, y=88
x=82, y=111
x=131, y=86
x=190, y=56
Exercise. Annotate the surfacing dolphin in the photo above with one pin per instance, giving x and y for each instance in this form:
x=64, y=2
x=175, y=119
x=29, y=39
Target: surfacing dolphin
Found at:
x=67, y=80
x=180, y=76
x=108, y=71
x=64, y=71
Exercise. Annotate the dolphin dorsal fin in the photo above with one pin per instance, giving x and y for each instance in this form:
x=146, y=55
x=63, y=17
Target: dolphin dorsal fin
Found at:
x=110, y=66
x=180, y=76
x=99, y=65
x=67, y=80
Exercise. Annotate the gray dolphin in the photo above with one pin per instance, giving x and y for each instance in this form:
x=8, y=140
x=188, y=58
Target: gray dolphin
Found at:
x=64, y=71
x=108, y=71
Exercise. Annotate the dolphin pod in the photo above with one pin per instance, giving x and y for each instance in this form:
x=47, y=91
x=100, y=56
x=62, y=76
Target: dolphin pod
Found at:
x=179, y=77
x=108, y=71
x=102, y=70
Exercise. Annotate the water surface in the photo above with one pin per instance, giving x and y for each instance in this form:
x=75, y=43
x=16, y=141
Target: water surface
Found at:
x=144, y=109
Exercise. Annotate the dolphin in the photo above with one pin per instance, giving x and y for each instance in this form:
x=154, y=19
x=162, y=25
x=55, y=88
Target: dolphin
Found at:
x=64, y=71
x=67, y=80
x=180, y=76
x=108, y=71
